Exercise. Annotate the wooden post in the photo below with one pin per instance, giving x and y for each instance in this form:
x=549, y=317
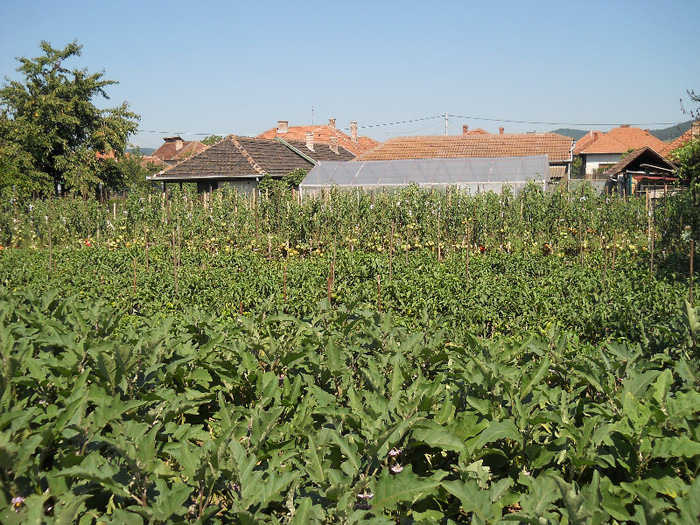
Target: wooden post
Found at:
x=284, y=283
x=174, y=261
x=692, y=255
x=49, y=220
x=391, y=249
x=379, y=292
x=145, y=245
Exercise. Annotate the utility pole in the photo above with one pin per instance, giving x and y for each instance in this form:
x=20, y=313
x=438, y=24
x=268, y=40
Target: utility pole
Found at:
x=447, y=125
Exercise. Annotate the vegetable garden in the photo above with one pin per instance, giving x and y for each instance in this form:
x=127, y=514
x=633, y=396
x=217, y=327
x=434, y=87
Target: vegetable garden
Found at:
x=407, y=357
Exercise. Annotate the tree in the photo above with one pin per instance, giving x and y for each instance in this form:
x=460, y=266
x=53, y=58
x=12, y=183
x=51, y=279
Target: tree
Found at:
x=695, y=99
x=51, y=132
x=211, y=140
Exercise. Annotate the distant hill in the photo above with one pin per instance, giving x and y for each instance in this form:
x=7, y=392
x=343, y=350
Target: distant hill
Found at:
x=671, y=133
x=666, y=134
x=573, y=133
x=142, y=151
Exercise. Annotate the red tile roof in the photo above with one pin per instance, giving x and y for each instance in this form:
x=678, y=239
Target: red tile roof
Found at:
x=618, y=141
x=692, y=133
x=170, y=151
x=556, y=147
x=322, y=135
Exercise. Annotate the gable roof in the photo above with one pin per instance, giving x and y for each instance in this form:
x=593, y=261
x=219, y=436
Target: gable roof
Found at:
x=175, y=149
x=617, y=141
x=644, y=160
x=237, y=157
x=322, y=135
x=556, y=147
x=320, y=151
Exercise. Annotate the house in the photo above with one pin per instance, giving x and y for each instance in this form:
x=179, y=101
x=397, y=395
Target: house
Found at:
x=556, y=147
x=692, y=134
x=642, y=171
x=327, y=134
x=600, y=151
x=176, y=150
x=241, y=162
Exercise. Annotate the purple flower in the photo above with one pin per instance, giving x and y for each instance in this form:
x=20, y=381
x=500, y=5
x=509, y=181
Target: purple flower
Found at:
x=396, y=469
x=395, y=452
x=17, y=502
x=365, y=496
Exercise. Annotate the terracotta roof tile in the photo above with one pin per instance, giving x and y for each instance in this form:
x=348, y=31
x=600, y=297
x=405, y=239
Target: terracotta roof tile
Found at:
x=322, y=135
x=618, y=141
x=176, y=149
x=556, y=147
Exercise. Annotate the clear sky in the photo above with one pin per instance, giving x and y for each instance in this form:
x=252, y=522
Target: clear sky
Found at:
x=219, y=67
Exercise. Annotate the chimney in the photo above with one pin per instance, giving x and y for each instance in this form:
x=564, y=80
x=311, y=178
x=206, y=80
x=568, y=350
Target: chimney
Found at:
x=695, y=129
x=334, y=145
x=624, y=125
x=353, y=131
x=282, y=126
x=501, y=130
x=646, y=131
x=465, y=129
x=331, y=123
x=178, y=144
x=310, y=140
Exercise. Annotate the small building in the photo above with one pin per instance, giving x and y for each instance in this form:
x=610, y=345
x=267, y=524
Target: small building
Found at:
x=644, y=171
x=241, y=162
x=600, y=151
x=176, y=150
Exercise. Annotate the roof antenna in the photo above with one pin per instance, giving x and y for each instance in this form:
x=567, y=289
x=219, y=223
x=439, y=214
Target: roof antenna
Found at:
x=312, y=115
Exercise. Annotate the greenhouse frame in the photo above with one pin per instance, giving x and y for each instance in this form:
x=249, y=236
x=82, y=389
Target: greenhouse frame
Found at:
x=474, y=175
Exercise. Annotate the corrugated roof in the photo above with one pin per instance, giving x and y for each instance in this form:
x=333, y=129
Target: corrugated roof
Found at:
x=556, y=147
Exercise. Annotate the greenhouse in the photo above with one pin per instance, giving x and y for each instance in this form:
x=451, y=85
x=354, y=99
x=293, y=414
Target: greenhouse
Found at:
x=472, y=175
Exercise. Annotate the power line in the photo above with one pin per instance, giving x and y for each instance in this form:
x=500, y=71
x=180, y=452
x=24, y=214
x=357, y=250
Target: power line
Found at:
x=595, y=124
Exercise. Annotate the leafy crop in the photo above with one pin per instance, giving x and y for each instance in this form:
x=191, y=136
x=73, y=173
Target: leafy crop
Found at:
x=349, y=359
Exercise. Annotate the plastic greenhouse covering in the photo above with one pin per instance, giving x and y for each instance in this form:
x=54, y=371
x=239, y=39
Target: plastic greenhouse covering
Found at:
x=469, y=174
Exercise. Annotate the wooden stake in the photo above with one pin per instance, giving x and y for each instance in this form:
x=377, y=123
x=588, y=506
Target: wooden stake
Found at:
x=284, y=282
x=391, y=249
x=174, y=246
x=692, y=255
x=134, y=274
x=145, y=245
x=379, y=293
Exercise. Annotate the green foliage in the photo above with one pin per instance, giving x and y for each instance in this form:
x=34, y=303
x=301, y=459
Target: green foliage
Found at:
x=350, y=358
x=51, y=131
x=210, y=140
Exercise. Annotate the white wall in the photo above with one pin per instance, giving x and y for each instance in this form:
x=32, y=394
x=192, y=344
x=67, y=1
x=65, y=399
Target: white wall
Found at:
x=594, y=160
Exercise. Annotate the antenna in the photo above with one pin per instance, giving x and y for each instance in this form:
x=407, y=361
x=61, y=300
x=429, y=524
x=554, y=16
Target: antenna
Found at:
x=447, y=125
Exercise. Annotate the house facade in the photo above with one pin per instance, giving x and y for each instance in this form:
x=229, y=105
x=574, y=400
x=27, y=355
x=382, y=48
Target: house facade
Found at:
x=600, y=151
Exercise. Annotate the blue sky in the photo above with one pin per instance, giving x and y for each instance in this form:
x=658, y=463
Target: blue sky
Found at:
x=216, y=67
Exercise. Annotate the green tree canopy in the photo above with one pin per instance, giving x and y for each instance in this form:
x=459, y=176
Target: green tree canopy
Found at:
x=211, y=139
x=51, y=131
